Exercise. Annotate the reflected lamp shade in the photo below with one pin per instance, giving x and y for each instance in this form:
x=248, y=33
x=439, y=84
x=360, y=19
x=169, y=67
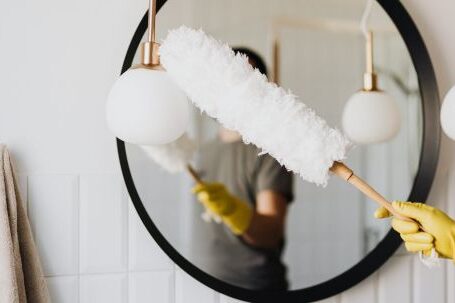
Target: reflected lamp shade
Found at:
x=448, y=114
x=371, y=117
x=146, y=107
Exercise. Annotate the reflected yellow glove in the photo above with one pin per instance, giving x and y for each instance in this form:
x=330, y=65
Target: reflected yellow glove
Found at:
x=235, y=213
x=439, y=228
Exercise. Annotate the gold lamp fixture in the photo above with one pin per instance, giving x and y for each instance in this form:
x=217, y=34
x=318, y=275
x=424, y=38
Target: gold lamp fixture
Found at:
x=144, y=105
x=370, y=79
x=150, y=49
x=370, y=115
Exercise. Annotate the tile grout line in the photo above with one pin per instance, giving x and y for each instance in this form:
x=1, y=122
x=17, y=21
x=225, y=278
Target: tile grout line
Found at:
x=446, y=283
x=376, y=288
x=448, y=180
x=174, y=286
x=412, y=278
x=378, y=285
x=446, y=207
x=78, y=244
x=174, y=277
x=217, y=296
x=124, y=197
x=110, y=273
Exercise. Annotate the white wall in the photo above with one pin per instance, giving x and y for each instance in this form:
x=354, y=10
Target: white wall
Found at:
x=57, y=62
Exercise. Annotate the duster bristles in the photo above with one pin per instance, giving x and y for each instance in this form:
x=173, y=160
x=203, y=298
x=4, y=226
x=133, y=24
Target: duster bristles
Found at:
x=173, y=157
x=227, y=88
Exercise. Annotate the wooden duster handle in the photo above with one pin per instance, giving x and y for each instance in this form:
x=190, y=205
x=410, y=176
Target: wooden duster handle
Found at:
x=348, y=175
x=194, y=174
x=207, y=215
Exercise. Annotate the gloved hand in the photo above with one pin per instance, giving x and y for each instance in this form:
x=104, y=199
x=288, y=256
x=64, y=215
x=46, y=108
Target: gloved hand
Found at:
x=235, y=213
x=439, y=229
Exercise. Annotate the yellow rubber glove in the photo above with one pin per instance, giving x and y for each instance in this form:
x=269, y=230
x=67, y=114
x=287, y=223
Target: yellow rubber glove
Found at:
x=235, y=213
x=439, y=228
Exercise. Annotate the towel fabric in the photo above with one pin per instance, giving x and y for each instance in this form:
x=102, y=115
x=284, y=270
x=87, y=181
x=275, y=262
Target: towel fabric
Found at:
x=21, y=275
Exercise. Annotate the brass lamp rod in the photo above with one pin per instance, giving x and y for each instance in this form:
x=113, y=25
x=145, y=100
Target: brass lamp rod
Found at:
x=151, y=21
x=369, y=53
x=369, y=78
x=149, y=49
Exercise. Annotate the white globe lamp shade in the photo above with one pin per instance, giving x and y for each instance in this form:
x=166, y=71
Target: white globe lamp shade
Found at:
x=371, y=117
x=448, y=114
x=146, y=107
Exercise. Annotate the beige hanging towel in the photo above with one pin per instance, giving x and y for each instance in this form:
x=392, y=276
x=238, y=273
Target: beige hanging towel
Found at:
x=21, y=275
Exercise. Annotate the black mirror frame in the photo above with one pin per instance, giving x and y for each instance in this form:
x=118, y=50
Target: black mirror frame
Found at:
x=389, y=244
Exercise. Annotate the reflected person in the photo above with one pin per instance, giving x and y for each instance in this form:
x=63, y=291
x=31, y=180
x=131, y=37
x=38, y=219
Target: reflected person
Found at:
x=251, y=197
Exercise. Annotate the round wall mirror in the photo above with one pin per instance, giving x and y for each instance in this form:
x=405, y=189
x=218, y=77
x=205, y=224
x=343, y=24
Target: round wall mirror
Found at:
x=327, y=239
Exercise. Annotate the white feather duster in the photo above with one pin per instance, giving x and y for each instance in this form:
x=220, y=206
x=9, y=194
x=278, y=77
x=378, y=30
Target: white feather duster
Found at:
x=226, y=87
x=173, y=157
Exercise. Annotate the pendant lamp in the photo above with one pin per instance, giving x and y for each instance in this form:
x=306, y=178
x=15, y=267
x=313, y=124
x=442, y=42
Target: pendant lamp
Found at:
x=144, y=105
x=448, y=114
x=370, y=115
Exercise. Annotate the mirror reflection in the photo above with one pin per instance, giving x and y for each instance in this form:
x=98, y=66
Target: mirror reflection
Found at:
x=251, y=223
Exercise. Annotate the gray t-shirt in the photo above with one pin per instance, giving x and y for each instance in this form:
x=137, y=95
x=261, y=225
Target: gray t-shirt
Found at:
x=244, y=173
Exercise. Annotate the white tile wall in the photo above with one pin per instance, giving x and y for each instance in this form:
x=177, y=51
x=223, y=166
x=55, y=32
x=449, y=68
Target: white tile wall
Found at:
x=103, y=288
x=64, y=289
x=53, y=209
x=151, y=287
x=396, y=275
x=364, y=292
x=429, y=284
x=450, y=282
x=95, y=249
x=103, y=224
x=335, y=299
x=144, y=253
x=188, y=290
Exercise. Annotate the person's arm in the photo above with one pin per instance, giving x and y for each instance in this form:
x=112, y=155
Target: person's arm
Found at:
x=267, y=223
x=261, y=227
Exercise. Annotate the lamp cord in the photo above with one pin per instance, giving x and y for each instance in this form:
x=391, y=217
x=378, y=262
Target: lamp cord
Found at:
x=365, y=17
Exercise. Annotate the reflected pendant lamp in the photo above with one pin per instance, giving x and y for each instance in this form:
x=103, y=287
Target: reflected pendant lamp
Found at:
x=370, y=115
x=144, y=105
x=448, y=114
